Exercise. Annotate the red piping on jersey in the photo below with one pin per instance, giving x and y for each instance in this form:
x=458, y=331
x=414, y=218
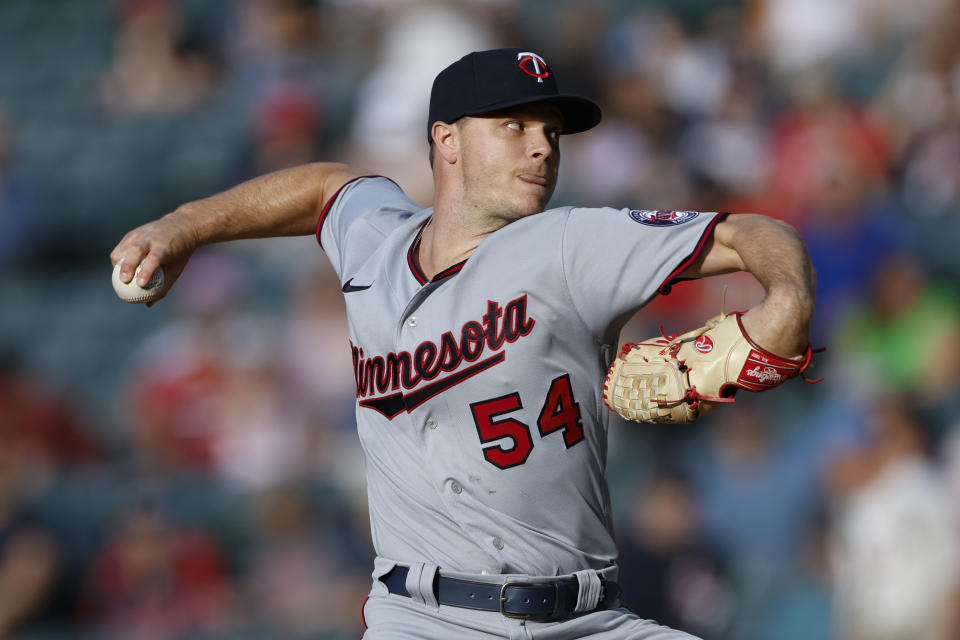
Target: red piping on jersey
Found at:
x=326, y=207
x=450, y=270
x=673, y=278
x=415, y=268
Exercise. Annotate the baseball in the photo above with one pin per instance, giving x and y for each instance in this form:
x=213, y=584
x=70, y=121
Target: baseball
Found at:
x=133, y=292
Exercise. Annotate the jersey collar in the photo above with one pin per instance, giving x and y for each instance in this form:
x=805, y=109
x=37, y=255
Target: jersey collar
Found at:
x=415, y=268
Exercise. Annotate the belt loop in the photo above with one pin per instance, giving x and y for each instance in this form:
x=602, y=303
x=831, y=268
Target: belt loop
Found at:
x=589, y=593
x=420, y=581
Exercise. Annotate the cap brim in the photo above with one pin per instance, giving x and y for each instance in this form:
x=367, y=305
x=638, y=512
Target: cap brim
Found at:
x=578, y=113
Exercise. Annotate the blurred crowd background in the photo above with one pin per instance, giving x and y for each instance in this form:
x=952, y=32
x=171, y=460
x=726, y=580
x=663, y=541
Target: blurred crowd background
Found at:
x=192, y=470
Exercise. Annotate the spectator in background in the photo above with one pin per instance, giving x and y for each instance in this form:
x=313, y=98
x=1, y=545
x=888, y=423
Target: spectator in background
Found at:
x=318, y=376
x=295, y=65
x=29, y=559
x=830, y=164
x=303, y=575
x=287, y=129
x=624, y=161
x=951, y=467
x=951, y=461
x=667, y=571
x=387, y=129
x=800, y=608
x=800, y=34
x=904, y=335
x=931, y=183
x=159, y=66
x=316, y=356
x=19, y=223
x=155, y=580
x=730, y=148
x=894, y=547
x=260, y=434
x=212, y=390
x=45, y=438
x=756, y=491
x=821, y=142
x=180, y=373
x=271, y=38
x=920, y=94
x=46, y=426
x=919, y=105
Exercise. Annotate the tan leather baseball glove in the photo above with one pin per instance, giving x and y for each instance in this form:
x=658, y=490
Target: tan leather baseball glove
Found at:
x=679, y=378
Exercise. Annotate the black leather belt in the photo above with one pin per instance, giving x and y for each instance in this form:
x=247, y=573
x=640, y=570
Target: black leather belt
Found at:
x=542, y=600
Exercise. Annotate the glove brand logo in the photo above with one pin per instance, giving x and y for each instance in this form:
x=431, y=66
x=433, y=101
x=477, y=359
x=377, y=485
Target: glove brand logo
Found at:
x=533, y=65
x=662, y=218
x=703, y=344
x=765, y=375
x=380, y=374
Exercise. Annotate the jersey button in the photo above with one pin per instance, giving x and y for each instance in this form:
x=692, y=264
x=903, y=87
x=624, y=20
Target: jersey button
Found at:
x=498, y=543
x=456, y=488
x=432, y=423
x=412, y=321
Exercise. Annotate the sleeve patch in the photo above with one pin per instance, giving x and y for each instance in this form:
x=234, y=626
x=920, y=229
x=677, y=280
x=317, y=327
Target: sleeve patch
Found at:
x=662, y=218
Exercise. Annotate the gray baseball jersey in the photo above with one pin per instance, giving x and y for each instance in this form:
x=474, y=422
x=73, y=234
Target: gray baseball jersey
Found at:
x=478, y=391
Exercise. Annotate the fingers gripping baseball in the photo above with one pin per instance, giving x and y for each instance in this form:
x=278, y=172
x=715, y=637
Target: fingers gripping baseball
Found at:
x=166, y=243
x=676, y=379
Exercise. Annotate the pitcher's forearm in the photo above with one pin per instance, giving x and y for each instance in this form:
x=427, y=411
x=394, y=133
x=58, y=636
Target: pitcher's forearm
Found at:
x=780, y=324
x=284, y=203
x=774, y=254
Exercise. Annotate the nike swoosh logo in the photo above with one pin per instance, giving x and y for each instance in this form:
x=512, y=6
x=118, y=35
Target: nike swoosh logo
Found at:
x=350, y=288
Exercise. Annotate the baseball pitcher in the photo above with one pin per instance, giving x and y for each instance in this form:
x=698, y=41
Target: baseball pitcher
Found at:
x=484, y=334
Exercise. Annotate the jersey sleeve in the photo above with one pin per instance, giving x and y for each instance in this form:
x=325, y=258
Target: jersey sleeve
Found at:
x=617, y=260
x=360, y=215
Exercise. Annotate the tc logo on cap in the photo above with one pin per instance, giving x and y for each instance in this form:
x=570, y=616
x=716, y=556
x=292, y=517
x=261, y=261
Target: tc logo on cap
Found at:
x=533, y=65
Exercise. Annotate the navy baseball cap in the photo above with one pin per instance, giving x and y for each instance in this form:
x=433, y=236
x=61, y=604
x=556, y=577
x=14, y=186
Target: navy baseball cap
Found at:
x=486, y=81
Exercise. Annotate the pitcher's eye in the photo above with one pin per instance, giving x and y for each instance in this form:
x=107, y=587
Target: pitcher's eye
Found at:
x=516, y=125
